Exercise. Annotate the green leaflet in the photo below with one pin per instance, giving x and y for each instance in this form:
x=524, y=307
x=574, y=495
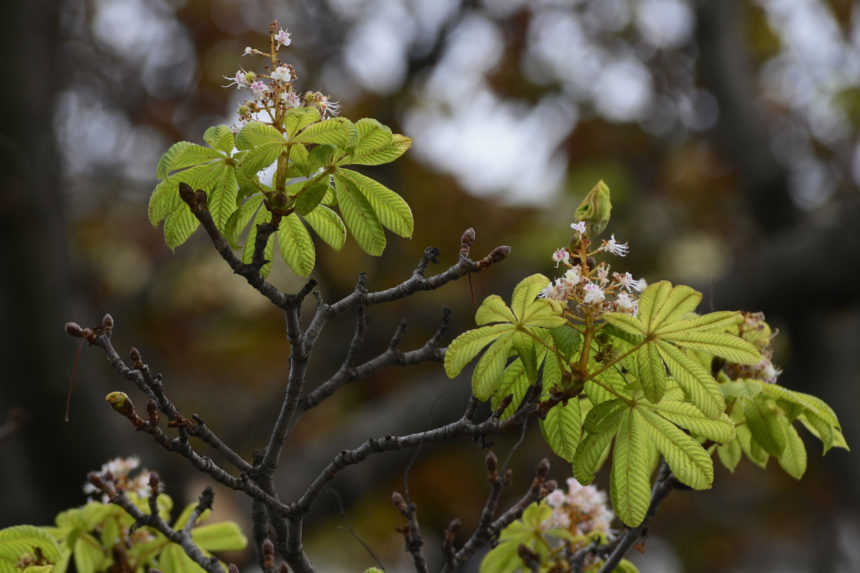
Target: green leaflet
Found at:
x=376, y=144
x=311, y=196
x=328, y=225
x=465, y=347
x=567, y=340
x=337, y=131
x=493, y=309
x=254, y=134
x=296, y=245
x=222, y=195
x=88, y=554
x=698, y=384
x=652, y=372
x=165, y=197
x=390, y=208
x=591, y=454
x=720, y=320
x=488, y=371
x=240, y=218
x=299, y=118
x=515, y=383
x=730, y=454
x=562, y=427
x=688, y=416
x=729, y=346
x=359, y=216
x=525, y=293
x=179, y=226
x=19, y=540
x=219, y=137
x=793, y=458
x=258, y=158
x=184, y=154
x=763, y=421
x=222, y=536
x=687, y=459
x=630, y=486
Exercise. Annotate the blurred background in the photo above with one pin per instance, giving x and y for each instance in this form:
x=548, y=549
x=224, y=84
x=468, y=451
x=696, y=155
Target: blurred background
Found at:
x=727, y=131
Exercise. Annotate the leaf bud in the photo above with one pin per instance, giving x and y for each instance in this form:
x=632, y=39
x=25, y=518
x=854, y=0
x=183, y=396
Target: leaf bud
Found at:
x=74, y=329
x=268, y=554
x=399, y=502
x=543, y=468
x=107, y=321
x=134, y=356
x=492, y=462
x=120, y=402
x=154, y=482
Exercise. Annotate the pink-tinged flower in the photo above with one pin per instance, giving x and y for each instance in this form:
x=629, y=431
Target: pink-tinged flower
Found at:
x=282, y=38
x=603, y=274
x=573, y=276
x=553, y=292
x=248, y=51
x=556, y=498
x=593, y=294
x=328, y=107
x=628, y=282
x=579, y=227
x=282, y=74
x=625, y=302
x=259, y=88
x=242, y=79
x=560, y=256
x=291, y=99
x=616, y=248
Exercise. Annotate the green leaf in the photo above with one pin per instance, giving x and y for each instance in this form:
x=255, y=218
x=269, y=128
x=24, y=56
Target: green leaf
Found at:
x=165, y=197
x=730, y=454
x=310, y=197
x=681, y=301
x=487, y=375
x=793, y=458
x=255, y=134
x=179, y=226
x=182, y=155
x=526, y=292
x=240, y=218
x=503, y=558
x=688, y=416
x=812, y=403
x=359, y=216
x=605, y=417
x=328, y=225
x=698, y=384
x=567, y=340
x=390, y=208
x=514, y=383
x=591, y=454
x=297, y=247
x=630, y=487
x=732, y=348
x=174, y=560
x=386, y=154
x=625, y=322
x=651, y=300
x=223, y=536
x=753, y=451
x=88, y=554
x=220, y=137
x=20, y=540
x=562, y=427
x=686, y=457
x=763, y=421
x=319, y=156
x=493, y=309
x=652, y=372
x=337, y=131
x=299, y=118
x=626, y=566
x=720, y=320
x=524, y=346
x=465, y=347
x=221, y=198
x=258, y=158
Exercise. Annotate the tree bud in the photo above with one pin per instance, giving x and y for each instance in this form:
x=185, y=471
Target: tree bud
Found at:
x=120, y=402
x=74, y=329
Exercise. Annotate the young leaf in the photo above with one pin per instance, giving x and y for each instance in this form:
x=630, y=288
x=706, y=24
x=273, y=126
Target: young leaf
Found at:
x=688, y=416
x=165, y=197
x=686, y=457
x=730, y=454
x=630, y=487
x=297, y=247
x=465, y=347
x=255, y=133
x=299, y=118
x=222, y=536
x=493, y=309
x=220, y=137
x=378, y=156
x=591, y=454
x=562, y=427
x=88, y=554
x=337, y=131
x=721, y=320
x=221, y=197
x=179, y=226
x=20, y=540
x=763, y=421
x=793, y=458
x=625, y=323
x=311, y=196
x=526, y=292
x=390, y=208
x=652, y=372
x=567, y=340
x=488, y=371
x=732, y=348
x=328, y=225
x=514, y=383
x=697, y=383
x=258, y=158
x=240, y=219
x=359, y=216
x=605, y=417
x=184, y=154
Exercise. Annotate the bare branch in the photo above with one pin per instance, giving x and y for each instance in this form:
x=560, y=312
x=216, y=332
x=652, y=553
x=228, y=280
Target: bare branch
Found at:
x=411, y=531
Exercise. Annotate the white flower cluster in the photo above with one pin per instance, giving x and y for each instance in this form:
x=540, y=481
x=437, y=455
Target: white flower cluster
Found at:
x=755, y=329
x=117, y=472
x=582, y=510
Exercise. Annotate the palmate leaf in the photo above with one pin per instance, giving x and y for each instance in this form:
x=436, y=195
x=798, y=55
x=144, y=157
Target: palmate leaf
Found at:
x=465, y=347
x=493, y=309
x=487, y=375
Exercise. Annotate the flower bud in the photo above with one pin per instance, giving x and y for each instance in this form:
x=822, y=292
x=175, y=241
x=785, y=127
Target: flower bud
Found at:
x=120, y=402
x=74, y=329
x=107, y=321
